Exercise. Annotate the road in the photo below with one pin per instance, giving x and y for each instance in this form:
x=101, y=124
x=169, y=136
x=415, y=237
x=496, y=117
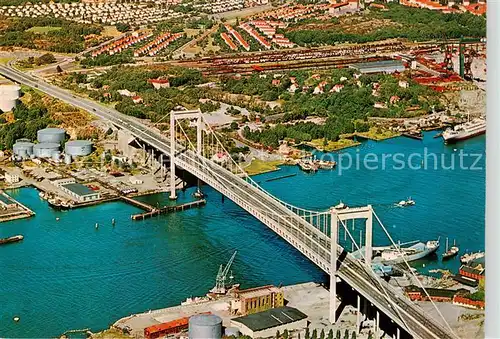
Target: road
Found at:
x=312, y=242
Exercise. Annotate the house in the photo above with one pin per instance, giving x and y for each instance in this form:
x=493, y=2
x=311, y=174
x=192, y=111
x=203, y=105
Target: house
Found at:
x=137, y=99
x=125, y=93
x=316, y=76
x=320, y=88
x=394, y=99
x=254, y=300
x=337, y=88
x=293, y=88
x=276, y=82
x=379, y=105
x=159, y=83
x=403, y=84
x=416, y=293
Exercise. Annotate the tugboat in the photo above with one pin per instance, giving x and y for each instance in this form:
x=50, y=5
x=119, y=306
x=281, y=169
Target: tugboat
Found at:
x=407, y=202
x=450, y=253
x=340, y=206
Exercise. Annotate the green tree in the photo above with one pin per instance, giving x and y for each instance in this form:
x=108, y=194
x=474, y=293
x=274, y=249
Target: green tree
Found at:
x=277, y=334
x=322, y=334
x=330, y=334
x=353, y=336
x=307, y=335
x=346, y=334
x=285, y=334
x=314, y=334
x=338, y=335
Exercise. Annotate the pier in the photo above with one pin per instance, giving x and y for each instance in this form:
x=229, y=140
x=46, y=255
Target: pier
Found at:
x=168, y=209
x=137, y=203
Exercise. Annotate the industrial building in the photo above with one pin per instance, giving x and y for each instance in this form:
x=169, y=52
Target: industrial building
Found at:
x=384, y=66
x=23, y=149
x=9, y=94
x=78, y=147
x=258, y=299
x=266, y=324
x=79, y=192
x=11, y=178
x=51, y=135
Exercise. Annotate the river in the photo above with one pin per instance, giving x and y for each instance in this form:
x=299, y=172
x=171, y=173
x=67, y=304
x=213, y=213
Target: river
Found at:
x=67, y=274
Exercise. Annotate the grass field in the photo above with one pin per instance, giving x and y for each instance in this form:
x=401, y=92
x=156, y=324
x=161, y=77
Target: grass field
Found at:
x=332, y=145
x=110, y=31
x=378, y=134
x=44, y=29
x=258, y=166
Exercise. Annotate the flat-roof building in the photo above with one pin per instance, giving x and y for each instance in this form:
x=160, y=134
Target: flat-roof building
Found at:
x=265, y=324
x=79, y=192
x=384, y=66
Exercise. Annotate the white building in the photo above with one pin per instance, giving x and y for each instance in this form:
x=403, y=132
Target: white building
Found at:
x=11, y=178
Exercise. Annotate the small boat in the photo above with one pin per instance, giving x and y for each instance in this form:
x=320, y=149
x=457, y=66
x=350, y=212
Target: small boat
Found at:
x=57, y=219
x=340, y=206
x=15, y=238
x=326, y=164
x=198, y=194
x=467, y=258
x=16, y=319
x=407, y=202
x=451, y=252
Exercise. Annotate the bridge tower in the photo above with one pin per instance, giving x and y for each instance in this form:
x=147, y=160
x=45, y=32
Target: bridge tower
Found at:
x=341, y=216
x=183, y=115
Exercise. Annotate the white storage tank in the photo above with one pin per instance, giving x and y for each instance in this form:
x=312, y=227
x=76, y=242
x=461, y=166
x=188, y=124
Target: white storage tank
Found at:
x=78, y=147
x=9, y=94
x=56, y=156
x=205, y=326
x=23, y=148
x=67, y=159
x=45, y=149
x=51, y=135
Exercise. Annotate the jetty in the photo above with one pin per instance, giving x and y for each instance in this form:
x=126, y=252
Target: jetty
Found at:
x=281, y=177
x=137, y=203
x=413, y=135
x=168, y=209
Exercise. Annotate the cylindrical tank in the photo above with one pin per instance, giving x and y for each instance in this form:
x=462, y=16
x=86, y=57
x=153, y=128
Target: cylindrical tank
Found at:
x=51, y=135
x=23, y=140
x=56, y=155
x=67, y=159
x=45, y=149
x=23, y=148
x=8, y=96
x=231, y=331
x=78, y=147
x=205, y=326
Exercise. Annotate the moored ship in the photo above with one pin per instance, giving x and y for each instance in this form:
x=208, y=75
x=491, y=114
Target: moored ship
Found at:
x=465, y=131
x=467, y=258
x=397, y=254
x=14, y=238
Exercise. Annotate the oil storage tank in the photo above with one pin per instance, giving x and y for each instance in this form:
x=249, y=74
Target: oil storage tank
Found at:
x=205, y=326
x=9, y=94
x=23, y=149
x=45, y=149
x=51, y=135
x=78, y=147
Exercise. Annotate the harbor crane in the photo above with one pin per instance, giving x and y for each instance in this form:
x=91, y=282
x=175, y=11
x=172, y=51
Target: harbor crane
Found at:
x=220, y=281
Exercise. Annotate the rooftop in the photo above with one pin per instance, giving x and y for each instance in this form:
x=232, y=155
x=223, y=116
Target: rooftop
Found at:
x=259, y=291
x=79, y=189
x=271, y=318
x=379, y=65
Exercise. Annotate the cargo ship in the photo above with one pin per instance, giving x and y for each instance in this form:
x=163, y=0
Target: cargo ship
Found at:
x=397, y=254
x=15, y=238
x=465, y=131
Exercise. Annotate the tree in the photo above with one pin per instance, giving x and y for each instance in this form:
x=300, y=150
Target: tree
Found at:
x=370, y=335
x=322, y=334
x=314, y=334
x=298, y=336
x=307, y=335
x=234, y=125
x=346, y=334
x=285, y=334
x=353, y=336
x=59, y=69
x=278, y=334
x=338, y=335
x=330, y=334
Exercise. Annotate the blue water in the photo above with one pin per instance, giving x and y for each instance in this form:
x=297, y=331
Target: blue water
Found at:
x=67, y=275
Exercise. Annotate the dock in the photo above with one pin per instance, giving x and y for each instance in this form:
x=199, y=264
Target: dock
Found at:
x=281, y=177
x=137, y=203
x=168, y=209
x=417, y=136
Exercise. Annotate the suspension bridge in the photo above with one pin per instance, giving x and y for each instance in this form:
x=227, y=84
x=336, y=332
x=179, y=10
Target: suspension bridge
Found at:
x=313, y=233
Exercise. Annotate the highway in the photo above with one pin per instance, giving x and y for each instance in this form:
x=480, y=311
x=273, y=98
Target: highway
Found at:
x=310, y=241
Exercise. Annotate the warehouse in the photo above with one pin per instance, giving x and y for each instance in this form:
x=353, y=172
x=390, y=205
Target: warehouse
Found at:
x=79, y=192
x=385, y=66
x=266, y=324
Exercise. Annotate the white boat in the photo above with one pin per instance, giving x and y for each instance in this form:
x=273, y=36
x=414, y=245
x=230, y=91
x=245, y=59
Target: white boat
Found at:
x=340, y=206
x=467, y=258
x=465, y=131
x=198, y=194
x=407, y=202
x=398, y=254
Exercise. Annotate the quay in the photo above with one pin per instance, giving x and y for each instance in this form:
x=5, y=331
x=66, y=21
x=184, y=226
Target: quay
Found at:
x=137, y=203
x=168, y=209
x=416, y=136
x=12, y=209
x=281, y=177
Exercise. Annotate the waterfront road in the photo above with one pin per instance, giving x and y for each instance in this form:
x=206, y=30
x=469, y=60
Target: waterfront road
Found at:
x=313, y=243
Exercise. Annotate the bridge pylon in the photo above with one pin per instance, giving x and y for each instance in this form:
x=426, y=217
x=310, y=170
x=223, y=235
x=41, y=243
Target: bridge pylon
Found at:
x=180, y=115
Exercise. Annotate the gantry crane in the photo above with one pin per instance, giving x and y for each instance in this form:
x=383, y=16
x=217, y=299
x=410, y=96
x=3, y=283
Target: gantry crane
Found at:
x=220, y=280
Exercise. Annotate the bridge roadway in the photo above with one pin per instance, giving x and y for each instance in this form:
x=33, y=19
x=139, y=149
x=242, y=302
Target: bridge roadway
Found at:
x=310, y=241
